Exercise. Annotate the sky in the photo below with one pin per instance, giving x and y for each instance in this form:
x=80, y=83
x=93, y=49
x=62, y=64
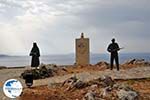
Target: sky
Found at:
x=54, y=25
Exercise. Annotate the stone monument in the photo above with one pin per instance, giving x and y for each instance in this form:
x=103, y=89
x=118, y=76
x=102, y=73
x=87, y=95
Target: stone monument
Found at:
x=82, y=51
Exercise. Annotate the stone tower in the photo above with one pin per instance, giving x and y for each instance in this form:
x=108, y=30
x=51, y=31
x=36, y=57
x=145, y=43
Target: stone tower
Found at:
x=82, y=51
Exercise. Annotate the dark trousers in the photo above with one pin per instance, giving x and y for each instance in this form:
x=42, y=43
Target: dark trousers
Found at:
x=114, y=57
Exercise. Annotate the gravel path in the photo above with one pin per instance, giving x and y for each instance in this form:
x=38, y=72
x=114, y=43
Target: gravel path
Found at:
x=138, y=72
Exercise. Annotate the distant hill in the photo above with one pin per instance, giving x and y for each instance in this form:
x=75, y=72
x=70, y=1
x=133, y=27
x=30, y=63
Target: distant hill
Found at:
x=2, y=55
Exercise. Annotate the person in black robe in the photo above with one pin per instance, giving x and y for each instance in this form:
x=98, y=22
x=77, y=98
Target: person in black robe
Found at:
x=35, y=53
x=113, y=48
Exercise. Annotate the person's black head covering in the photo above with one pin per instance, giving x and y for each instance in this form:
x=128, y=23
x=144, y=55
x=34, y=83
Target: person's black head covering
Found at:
x=34, y=44
x=113, y=40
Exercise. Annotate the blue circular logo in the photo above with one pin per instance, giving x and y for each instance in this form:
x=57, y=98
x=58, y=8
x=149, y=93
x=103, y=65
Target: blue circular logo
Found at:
x=12, y=88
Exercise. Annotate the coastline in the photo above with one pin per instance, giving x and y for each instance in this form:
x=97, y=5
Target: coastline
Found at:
x=17, y=61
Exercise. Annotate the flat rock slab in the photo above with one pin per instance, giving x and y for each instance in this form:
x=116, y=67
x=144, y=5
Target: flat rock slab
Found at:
x=133, y=73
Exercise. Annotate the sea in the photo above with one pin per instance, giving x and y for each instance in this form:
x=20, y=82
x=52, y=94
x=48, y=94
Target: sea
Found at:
x=68, y=59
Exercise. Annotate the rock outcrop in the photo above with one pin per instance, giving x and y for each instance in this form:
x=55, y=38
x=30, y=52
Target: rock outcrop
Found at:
x=3, y=67
x=40, y=73
x=137, y=62
x=102, y=64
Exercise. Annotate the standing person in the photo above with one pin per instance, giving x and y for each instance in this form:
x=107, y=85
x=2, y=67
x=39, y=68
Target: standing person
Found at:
x=35, y=53
x=113, y=48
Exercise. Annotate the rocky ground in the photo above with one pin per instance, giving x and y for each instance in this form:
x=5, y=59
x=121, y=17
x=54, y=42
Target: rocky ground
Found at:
x=134, y=74
x=141, y=88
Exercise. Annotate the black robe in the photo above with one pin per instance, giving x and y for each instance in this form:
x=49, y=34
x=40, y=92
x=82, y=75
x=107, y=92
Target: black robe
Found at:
x=35, y=53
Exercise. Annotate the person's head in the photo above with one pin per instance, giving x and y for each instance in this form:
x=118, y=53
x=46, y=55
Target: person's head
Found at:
x=113, y=40
x=34, y=44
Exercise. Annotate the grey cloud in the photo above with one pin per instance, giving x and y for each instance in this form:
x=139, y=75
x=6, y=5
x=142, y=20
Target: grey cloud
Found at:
x=56, y=23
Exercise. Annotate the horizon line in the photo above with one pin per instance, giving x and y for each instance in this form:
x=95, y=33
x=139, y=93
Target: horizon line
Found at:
x=74, y=54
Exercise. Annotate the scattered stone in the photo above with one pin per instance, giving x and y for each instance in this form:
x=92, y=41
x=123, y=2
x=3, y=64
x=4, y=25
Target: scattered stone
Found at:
x=64, y=69
x=107, y=81
x=102, y=64
x=70, y=80
x=127, y=95
x=49, y=66
x=93, y=87
x=124, y=87
x=112, y=90
x=74, y=83
x=116, y=86
x=79, y=84
x=106, y=91
x=139, y=61
x=131, y=61
x=90, y=96
x=124, y=92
